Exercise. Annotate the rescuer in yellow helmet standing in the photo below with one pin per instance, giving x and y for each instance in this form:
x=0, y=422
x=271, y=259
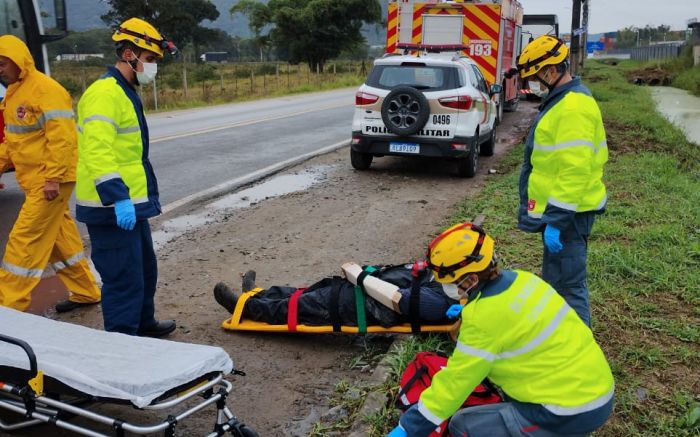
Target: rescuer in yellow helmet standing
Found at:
x=40, y=142
x=561, y=187
x=521, y=334
x=117, y=191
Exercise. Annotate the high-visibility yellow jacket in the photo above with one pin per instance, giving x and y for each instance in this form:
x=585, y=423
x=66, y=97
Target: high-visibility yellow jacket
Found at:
x=525, y=338
x=40, y=137
x=564, y=157
x=113, y=151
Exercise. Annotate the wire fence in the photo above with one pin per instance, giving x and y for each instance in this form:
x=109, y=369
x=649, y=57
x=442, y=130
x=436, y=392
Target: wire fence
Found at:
x=649, y=53
x=181, y=85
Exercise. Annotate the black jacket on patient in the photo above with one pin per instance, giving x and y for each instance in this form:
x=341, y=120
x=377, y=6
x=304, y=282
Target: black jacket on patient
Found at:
x=316, y=303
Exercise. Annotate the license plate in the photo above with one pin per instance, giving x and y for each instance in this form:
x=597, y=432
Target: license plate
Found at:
x=404, y=147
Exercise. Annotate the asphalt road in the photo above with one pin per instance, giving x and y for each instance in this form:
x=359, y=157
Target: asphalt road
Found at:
x=194, y=150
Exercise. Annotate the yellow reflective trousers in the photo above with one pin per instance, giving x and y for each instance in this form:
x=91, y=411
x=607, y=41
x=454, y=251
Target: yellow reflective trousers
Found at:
x=45, y=233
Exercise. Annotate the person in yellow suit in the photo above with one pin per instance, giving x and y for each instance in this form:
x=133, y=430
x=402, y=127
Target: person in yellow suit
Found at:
x=41, y=143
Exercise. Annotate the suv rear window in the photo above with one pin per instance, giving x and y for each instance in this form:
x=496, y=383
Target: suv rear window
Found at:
x=417, y=76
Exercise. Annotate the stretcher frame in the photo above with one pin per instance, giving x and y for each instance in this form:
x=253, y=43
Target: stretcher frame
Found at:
x=28, y=398
x=234, y=323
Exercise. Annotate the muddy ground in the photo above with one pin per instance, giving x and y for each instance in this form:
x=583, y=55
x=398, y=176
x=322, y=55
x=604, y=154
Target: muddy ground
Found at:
x=385, y=215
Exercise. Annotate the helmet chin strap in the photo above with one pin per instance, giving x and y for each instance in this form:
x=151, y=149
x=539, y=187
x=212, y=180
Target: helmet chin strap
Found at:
x=556, y=82
x=132, y=63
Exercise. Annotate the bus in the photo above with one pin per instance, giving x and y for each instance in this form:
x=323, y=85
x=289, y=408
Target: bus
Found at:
x=22, y=18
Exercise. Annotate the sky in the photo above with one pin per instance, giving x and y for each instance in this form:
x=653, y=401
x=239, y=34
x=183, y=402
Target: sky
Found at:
x=611, y=15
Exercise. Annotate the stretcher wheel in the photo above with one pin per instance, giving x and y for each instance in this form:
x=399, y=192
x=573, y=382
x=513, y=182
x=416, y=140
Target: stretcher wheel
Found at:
x=244, y=431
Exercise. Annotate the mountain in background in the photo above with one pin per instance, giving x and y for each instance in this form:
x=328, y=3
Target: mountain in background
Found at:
x=85, y=15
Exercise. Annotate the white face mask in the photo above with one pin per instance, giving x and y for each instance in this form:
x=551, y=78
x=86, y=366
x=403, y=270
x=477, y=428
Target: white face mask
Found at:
x=452, y=291
x=150, y=69
x=536, y=85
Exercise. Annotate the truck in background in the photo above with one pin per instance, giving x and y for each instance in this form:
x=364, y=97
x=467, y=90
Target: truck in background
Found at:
x=535, y=25
x=214, y=57
x=489, y=32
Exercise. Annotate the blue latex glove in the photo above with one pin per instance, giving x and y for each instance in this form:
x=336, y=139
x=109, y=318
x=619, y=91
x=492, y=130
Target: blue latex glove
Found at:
x=454, y=311
x=397, y=432
x=551, y=239
x=126, y=214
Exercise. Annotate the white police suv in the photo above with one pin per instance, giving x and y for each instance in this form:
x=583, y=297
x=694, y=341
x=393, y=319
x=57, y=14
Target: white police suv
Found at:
x=429, y=105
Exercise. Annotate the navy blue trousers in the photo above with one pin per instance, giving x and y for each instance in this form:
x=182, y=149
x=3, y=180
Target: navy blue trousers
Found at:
x=127, y=264
x=566, y=270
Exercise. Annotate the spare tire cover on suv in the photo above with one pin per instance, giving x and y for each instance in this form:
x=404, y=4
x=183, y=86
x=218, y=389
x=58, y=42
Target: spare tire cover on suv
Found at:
x=405, y=110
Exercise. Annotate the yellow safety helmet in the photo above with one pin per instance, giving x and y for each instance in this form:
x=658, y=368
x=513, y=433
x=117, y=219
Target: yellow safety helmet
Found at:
x=544, y=50
x=462, y=249
x=142, y=34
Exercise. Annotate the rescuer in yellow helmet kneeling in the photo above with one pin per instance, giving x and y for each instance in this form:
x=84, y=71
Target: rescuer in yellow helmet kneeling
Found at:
x=519, y=332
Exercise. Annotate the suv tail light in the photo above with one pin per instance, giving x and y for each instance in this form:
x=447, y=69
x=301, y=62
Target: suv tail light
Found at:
x=365, y=99
x=457, y=102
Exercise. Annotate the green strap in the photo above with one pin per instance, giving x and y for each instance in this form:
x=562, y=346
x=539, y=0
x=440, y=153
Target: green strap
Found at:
x=360, y=310
x=360, y=305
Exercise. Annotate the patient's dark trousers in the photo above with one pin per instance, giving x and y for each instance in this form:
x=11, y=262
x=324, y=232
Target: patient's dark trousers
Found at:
x=127, y=264
x=271, y=307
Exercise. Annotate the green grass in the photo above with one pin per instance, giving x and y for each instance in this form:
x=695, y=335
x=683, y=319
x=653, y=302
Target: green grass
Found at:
x=687, y=76
x=679, y=70
x=689, y=80
x=644, y=261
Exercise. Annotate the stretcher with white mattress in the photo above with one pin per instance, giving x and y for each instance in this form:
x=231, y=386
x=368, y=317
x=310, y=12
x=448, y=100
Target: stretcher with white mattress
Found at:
x=51, y=371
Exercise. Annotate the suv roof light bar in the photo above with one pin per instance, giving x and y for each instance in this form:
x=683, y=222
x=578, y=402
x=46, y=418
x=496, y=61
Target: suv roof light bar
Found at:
x=432, y=48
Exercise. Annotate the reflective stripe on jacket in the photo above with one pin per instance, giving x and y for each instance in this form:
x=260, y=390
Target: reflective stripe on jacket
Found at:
x=564, y=157
x=40, y=138
x=520, y=334
x=113, y=148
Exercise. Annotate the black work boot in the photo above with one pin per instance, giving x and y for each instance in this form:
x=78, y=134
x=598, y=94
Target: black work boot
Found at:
x=160, y=329
x=248, y=281
x=65, y=306
x=225, y=297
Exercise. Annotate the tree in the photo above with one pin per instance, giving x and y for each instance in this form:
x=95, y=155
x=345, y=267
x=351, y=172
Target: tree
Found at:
x=632, y=36
x=90, y=41
x=626, y=37
x=258, y=17
x=311, y=31
x=178, y=20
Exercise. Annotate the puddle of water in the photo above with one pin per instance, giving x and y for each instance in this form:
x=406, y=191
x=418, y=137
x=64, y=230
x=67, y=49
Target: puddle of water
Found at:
x=681, y=108
x=211, y=212
x=45, y=296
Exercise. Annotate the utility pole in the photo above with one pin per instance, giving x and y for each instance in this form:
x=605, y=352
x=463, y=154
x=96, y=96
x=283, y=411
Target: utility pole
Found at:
x=575, y=36
x=584, y=35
